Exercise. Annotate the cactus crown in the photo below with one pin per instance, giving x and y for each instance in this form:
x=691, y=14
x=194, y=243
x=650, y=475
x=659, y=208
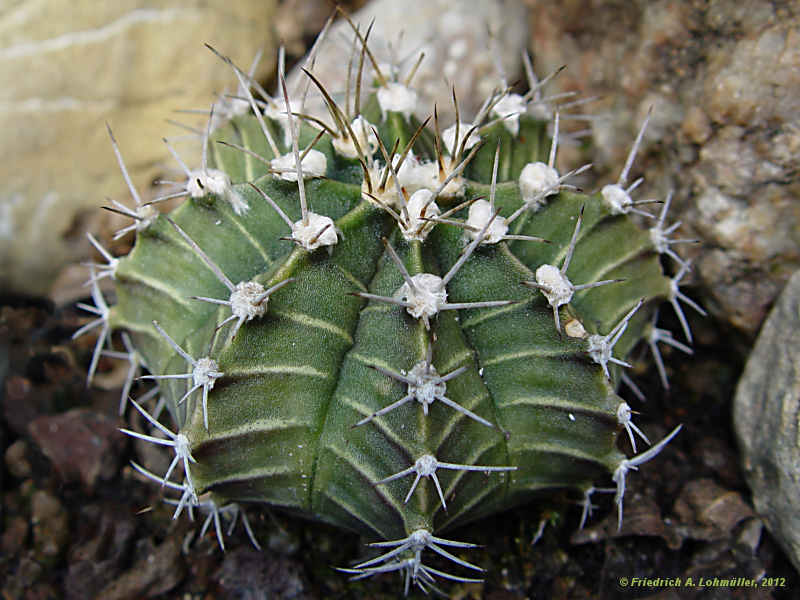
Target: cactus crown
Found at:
x=382, y=324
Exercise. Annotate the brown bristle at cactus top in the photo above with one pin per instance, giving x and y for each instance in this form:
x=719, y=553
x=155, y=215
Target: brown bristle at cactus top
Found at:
x=391, y=326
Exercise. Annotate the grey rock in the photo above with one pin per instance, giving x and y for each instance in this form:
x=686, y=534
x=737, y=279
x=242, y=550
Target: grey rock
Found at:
x=465, y=43
x=723, y=78
x=766, y=420
x=248, y=575
x=102, y=539
x=157, y=570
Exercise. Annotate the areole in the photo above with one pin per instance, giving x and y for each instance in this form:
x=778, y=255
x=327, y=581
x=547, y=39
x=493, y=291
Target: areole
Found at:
x=354, y=302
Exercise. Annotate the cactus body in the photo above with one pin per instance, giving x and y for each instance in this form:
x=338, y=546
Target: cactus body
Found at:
x=498, y=399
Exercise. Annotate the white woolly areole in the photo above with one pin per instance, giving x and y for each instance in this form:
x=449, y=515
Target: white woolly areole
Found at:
x=407, y=171
x=419, y=540
x=183, y=450
x=412, y=177
x=426, y=464
x=449, y=137
x=313, y=165
x=555, y=287
x=147, y=213
x=213, y=181
x=226, y=108
x=277, y=112
x=454, y=188
x=426, y=388
x=623, y=413
x=395, y=97
x=365, y=136
x=659, y=239
x=616, y=199
x=414, y=227
x=536, y=182
x=509, y=108
x=539, y=110
x=416, y=175
x=246, y=302
x=205, y=372
x=480, y=212
x=305, y=234
x=388, y=197
x=599, y=349
x=426, y=299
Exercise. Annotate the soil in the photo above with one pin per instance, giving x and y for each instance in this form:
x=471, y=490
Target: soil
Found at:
x=79, y=523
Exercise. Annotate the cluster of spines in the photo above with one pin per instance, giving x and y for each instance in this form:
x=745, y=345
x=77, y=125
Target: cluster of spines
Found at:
x=422, y=297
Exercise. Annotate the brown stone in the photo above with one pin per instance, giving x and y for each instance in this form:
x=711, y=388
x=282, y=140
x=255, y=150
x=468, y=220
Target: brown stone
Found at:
x=83, y=445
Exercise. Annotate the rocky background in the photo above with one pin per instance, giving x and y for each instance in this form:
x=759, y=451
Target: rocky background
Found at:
x=67, y=68
x=723, y=78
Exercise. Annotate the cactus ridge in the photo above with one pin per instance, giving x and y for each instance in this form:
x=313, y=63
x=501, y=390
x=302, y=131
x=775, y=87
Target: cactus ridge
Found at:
x=387, y=328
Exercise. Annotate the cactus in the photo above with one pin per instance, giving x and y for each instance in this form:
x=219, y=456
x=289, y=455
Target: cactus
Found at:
x=385, y=325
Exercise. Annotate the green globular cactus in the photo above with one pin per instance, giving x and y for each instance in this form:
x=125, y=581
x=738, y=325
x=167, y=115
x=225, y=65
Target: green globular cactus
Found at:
x=386, y=326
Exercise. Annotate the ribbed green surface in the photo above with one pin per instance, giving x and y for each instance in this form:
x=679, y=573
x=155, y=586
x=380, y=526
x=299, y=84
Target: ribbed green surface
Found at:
x=296, y=380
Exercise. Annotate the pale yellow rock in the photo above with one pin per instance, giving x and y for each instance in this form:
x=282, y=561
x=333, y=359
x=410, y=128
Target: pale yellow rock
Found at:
x=67, y=67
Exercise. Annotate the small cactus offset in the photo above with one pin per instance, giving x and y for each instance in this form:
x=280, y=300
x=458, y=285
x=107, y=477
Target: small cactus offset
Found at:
x=391, y=326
